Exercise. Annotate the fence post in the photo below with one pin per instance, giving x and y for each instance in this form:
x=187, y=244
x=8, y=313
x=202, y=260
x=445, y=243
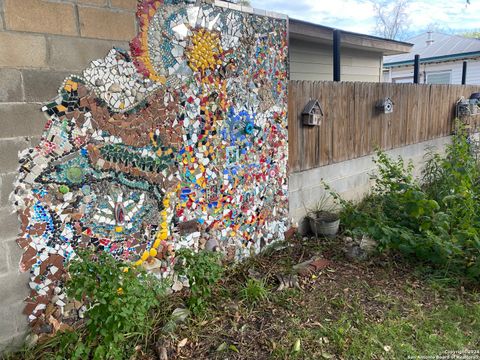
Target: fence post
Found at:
x=336, y=54
x=464, y=73
x=416, y=69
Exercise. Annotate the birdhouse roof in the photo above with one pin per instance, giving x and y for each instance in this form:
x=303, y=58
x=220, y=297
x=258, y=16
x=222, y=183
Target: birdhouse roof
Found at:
x=311, y=105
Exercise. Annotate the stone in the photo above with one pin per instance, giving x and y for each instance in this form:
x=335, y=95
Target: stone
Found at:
x=11, y=85
x=14, y=290
x=115, y=88
x=9, y=149
x=4, y=256
x=287, y=281
x=6, y=186
x=106, y=24
x=31, y=340
x=368, y=244
x=24, y=50
x=124, y=4
x=93, y=2
x=74, y=54
x=41, y=85
x=40, y=17
x=10, y=224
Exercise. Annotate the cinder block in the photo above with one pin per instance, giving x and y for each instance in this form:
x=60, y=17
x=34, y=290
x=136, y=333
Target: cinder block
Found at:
x=14, y=287
x=12, y=321
x=75, y=54
x=21, y=120
x=4, y=260
x=14, y=254
x=10, y=225
x=7, y=325
x=24, y=50
x=6, y=186
x=12, y=343
x=11, y=85
x=124, y=4
x=40, y=16
x=40, y=85
x=93, y=2
x=21, y=323
x=106, y=24
x=9, y=149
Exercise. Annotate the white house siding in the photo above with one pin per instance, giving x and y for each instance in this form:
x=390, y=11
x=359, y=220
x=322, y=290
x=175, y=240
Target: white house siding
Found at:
x=314, y=61
x=406, y=72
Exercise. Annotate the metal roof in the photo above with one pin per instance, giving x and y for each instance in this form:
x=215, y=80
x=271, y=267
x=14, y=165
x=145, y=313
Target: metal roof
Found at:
x=443, y=47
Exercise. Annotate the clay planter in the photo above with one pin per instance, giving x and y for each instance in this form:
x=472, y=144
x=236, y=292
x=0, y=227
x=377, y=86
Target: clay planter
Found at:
x=324, y=223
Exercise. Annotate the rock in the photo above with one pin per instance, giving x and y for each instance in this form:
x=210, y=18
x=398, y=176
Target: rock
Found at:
x=161, y=351
x=99, y=82
x=31, y=340
x=177, y=286
x=211, y=245
x=368, y=245
x=287, y=281
x=115, y=88
x=152, y=264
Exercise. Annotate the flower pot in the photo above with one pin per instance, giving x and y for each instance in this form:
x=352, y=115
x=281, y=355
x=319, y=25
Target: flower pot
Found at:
x=325, y=224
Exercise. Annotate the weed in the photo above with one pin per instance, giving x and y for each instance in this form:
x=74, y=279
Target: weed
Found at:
x=437, y=221
x=254, y=291
x=119, y=300
x=203, y=270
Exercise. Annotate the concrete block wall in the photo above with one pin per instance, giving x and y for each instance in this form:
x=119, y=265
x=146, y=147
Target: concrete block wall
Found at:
x=351, y=178
x=41, y=42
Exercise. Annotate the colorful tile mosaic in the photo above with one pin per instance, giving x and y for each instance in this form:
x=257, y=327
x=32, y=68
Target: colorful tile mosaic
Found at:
x=179, y=142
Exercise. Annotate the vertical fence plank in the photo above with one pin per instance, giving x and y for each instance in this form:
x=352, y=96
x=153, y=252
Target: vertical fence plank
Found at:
x=352, y=127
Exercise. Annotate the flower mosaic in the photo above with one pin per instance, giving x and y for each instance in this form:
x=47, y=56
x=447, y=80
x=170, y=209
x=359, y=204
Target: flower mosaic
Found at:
x=179, y=142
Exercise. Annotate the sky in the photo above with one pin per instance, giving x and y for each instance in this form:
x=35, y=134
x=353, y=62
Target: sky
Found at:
x=358, y=16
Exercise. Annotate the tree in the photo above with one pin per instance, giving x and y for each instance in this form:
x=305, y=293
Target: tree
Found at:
x=471, y=34
x=392, y=20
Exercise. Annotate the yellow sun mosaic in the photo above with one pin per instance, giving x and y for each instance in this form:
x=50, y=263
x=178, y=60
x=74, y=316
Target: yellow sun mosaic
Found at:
x=204, y=52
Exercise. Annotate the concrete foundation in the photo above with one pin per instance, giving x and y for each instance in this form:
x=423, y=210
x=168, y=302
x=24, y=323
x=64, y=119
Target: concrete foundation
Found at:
x=351, y=178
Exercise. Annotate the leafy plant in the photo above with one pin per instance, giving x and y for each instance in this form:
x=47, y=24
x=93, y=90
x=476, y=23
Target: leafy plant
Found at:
x=254, y=291
x=119, y=300
x=203, y=270
x=436, y=220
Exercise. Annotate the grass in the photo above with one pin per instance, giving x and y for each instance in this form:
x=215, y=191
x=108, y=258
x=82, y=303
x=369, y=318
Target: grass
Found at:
x=380, y=309
x=254, y=291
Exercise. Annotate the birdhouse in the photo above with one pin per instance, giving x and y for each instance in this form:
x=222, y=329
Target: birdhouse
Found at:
x=312, y=114
x=385, y=105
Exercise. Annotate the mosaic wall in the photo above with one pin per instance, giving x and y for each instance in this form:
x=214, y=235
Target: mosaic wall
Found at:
x=179, y=142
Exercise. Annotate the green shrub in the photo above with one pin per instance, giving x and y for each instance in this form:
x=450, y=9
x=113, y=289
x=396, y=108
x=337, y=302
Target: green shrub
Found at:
x=203, y=270
x=119, y=301
x=436, y=220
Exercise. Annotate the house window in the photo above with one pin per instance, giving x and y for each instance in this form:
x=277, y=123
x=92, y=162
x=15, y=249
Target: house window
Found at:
x=403, y=80
x=444, y=77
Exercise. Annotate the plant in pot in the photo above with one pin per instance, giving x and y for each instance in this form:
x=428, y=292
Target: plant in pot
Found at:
x=323, y=219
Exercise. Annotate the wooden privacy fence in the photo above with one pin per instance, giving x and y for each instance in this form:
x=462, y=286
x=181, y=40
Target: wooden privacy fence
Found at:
x=352, y=127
